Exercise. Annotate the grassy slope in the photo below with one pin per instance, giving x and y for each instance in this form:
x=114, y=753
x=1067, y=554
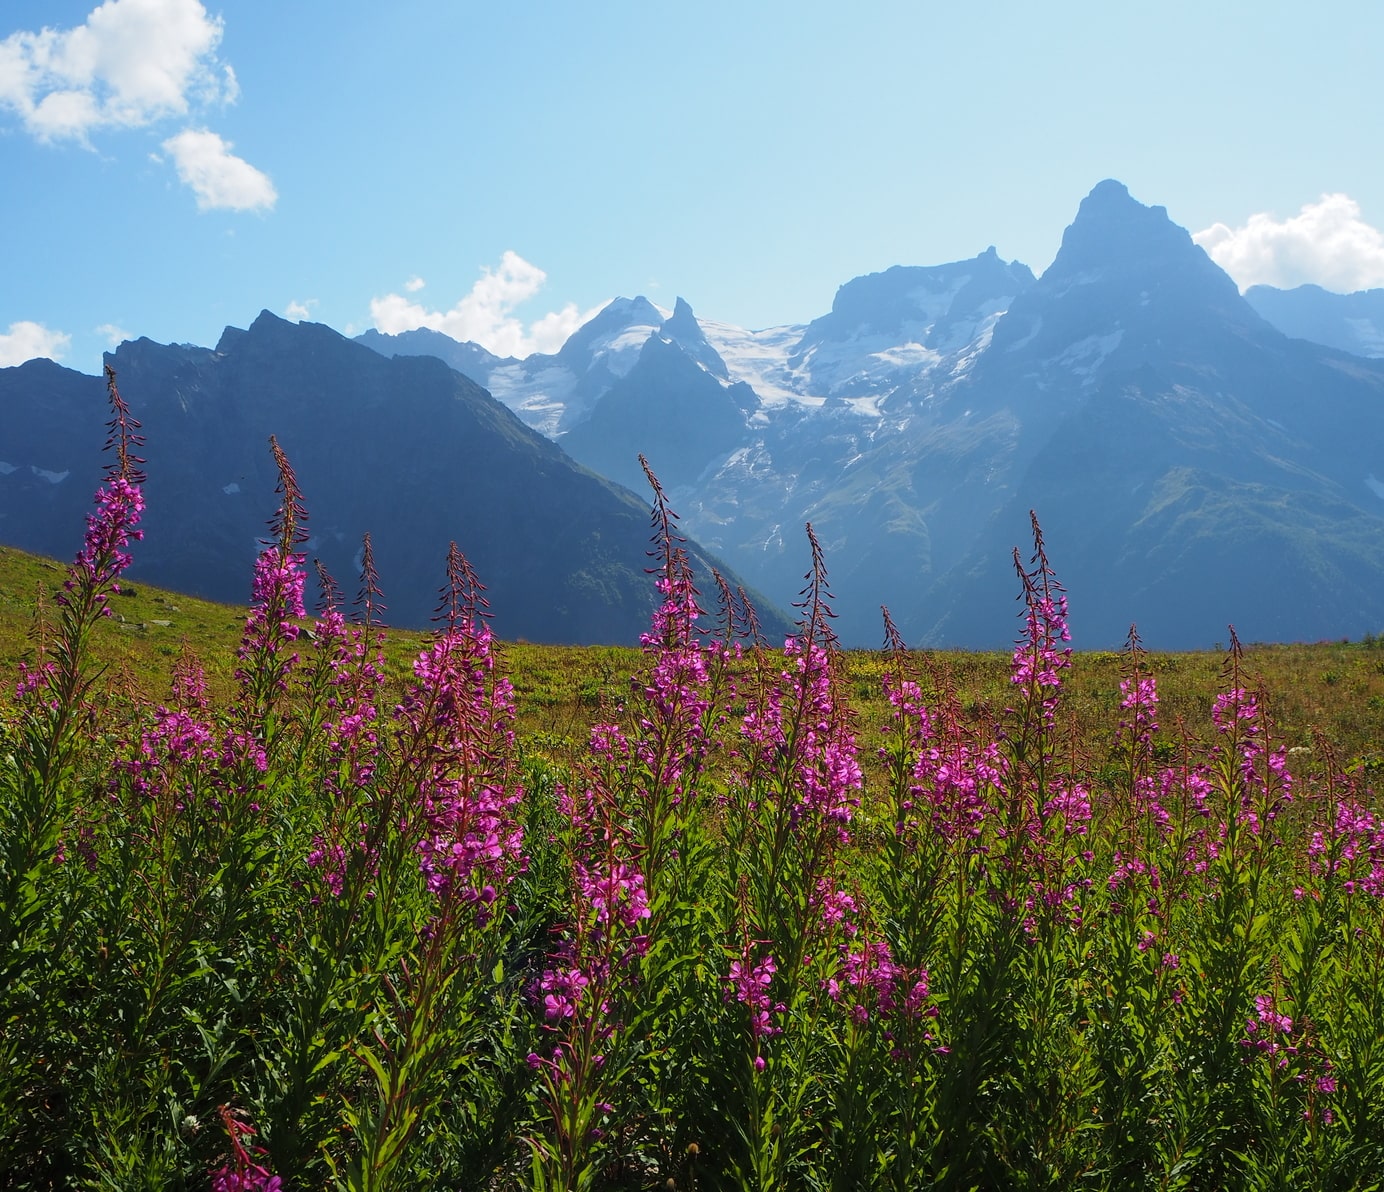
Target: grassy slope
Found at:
x=1336, y=689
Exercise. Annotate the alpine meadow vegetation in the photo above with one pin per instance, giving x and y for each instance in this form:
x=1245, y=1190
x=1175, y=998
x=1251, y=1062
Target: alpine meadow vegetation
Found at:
x=327, y=929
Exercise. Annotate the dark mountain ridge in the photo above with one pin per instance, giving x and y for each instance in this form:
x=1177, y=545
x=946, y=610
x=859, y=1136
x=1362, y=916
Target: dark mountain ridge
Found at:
x=403, y=447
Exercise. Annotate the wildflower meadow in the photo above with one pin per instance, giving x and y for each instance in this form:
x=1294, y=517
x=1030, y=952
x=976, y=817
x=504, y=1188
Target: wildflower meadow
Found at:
x=334, y=932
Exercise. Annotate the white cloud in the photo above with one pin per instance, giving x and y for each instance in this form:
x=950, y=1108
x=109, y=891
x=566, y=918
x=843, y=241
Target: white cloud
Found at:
x=1327, y=243
x=484, y=315
x=298, y=311
x=27, y=340
x=414, y=284
x=219, y=178
x=130, y=63
x=113, y=335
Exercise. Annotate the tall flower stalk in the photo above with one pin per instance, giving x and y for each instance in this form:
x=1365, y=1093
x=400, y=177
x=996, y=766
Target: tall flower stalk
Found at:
x=56, y=688
x=53, y=692
x=267, y=654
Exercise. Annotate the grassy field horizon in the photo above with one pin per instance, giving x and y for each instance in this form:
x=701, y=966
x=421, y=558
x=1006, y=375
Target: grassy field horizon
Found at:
x=1320, y=692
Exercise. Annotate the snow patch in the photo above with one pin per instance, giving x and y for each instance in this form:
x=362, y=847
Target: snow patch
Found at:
x=866, y=407
x=6, y=469
x=760, y=359
x=908, y=355
x=541, y=400
x=51, y=477
x=973, y=351
x=1375, y=486
x=620, y=352
x=1088, y=354
x=1368, y=335
x=230, y=489
x=1029, y=338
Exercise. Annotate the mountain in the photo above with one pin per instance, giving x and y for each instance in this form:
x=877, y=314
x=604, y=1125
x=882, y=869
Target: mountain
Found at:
x=1349, y=322
x=682, y=328
x=897, y=327
x=1191, y=464
x=548, y=392
x=471, y=360
x=671, y=408
x=403, y=447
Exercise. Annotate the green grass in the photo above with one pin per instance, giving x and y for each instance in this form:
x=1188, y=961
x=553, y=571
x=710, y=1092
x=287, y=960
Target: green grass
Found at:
x=1327, y=692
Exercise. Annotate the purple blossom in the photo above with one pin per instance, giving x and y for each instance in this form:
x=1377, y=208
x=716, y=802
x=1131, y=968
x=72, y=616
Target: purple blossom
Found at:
x=1073, y=803
x=616, y=896
x=1270, y=1031
x=276, y=598
x=241, y=1172
x=1139, y=698
x=837, y=908
x=751, y=985
x=563, y=989
x=103, y=557
x=459, y=713
x=826, y=777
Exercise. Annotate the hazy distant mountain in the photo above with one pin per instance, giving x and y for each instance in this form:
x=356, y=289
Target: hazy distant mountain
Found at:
x=404, y=447
x=471, y=360
x=1192, y=466
x=548, y=392
x=668, y=407
x=1351, y=322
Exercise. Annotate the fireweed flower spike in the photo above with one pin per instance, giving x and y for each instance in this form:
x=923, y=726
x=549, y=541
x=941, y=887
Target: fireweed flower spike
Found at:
x=457, y=722
x=241, y=1173
x=676, y=705
x=342, y=732
x=1039, y=656
x=750, y=982
x=58, y=687
x=369, y=602
x=276, y=599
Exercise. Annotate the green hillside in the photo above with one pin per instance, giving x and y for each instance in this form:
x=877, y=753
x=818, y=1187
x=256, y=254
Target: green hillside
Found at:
x=1332, y=688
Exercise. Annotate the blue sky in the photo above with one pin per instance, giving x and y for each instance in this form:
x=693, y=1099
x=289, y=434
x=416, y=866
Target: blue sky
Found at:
x=501, y=170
